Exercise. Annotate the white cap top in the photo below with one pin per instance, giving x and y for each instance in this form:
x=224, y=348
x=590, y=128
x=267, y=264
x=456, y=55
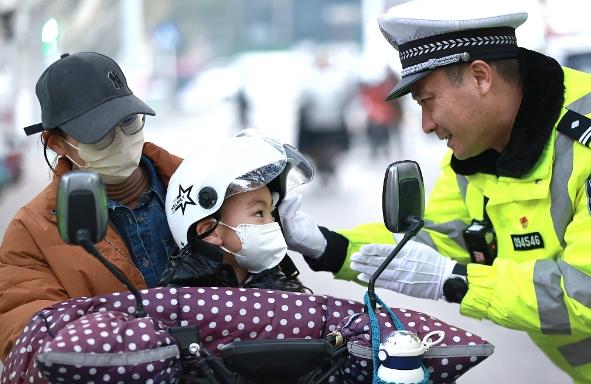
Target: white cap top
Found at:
x=429, y=34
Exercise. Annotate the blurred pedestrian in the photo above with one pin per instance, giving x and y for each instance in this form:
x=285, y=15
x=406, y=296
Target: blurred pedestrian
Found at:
x=323, y=133
x=91, y=120
x=243, y=109
x=383, y=117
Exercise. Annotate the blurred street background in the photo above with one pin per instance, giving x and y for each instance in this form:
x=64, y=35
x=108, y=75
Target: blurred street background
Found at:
x=312, y=73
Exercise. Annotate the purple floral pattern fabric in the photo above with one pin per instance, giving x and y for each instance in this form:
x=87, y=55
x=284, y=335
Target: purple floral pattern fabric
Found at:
x=98, y=339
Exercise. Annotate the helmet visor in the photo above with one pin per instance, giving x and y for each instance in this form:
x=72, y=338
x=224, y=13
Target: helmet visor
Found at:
x=300, y=169
x=255, y=179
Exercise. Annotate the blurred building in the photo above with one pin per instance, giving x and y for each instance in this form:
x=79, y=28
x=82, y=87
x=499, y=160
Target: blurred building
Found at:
x=235, y=25
x=162, y=44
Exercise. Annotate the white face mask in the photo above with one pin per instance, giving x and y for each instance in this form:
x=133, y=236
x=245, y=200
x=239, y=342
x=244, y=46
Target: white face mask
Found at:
x=263, y=246
x=117, y=162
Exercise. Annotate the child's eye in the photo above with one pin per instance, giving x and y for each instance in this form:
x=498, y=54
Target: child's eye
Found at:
x=260, y=214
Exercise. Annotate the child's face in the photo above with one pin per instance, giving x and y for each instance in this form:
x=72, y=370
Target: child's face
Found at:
x=253, y=207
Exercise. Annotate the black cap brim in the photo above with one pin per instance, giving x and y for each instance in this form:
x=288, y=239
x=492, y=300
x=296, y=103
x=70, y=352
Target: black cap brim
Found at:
x=94, y=124
x=403, y=86
x=33, y=129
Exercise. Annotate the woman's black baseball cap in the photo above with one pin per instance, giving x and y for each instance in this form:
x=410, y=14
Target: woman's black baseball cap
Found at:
x=85, y=95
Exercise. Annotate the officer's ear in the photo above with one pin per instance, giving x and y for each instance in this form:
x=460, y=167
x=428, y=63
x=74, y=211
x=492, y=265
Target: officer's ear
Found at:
x=209, y=227
x=481, y=73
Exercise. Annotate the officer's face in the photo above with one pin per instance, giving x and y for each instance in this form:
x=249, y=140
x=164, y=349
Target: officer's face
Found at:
x=454, y=112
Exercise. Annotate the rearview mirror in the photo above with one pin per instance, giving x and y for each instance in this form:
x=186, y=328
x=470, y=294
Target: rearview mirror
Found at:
x=403, y=204
x=82, y=219
x=82, y=207
x=403, y=196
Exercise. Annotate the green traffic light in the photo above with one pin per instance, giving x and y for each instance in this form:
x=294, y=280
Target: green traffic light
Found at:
x=49, y=36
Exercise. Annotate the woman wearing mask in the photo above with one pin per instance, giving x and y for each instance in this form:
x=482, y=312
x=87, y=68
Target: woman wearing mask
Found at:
x=91, y=120
x=220, y=207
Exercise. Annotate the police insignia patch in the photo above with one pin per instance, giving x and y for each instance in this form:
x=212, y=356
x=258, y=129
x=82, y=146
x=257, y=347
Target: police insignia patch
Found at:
x=576, y=126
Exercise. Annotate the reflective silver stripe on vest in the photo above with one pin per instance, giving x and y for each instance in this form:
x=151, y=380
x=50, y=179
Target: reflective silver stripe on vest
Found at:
x=576, y=283
x=552, y=309
x=550, y=297
x=561, y=208
x=578, y=353
x=425, y=238
x=452, y=229
x=582, y=105
x=462, y=184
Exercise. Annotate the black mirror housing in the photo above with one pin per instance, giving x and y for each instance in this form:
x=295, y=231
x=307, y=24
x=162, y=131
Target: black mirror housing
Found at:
x=82, y=207
x=403, y=195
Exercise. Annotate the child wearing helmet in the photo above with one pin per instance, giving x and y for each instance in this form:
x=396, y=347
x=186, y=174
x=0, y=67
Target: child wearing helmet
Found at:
x=220, y=207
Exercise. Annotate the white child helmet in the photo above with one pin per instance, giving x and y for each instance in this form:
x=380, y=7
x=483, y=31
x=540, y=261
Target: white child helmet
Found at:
x=216, y=171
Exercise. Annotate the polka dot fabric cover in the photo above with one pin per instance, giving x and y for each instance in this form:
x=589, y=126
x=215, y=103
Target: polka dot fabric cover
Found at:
x=457, y=353
x=99, y=340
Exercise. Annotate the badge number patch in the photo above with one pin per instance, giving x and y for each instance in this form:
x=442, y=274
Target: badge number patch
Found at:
x=527, y=241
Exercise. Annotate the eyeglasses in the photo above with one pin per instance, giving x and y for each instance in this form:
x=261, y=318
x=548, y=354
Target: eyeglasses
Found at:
x=129, y=126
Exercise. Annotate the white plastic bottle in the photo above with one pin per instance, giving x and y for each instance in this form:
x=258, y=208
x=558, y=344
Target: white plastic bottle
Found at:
x=401, y=355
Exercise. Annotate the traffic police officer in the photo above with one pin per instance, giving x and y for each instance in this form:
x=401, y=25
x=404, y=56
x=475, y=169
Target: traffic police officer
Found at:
x=508, y=222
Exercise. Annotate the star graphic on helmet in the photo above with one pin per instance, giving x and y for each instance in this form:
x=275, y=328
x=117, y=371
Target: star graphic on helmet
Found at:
x=183, y=199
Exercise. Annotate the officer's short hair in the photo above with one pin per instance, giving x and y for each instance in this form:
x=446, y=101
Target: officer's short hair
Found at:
x=508, y=69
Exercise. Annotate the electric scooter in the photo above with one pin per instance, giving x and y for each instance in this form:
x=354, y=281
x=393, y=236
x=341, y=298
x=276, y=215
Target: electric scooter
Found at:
x=289, y=361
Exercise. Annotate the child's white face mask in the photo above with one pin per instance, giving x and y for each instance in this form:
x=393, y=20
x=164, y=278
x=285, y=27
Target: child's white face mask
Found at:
x=263, y=246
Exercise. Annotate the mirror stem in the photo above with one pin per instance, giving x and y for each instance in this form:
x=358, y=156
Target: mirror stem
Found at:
x=82, y=238
x=415, y=226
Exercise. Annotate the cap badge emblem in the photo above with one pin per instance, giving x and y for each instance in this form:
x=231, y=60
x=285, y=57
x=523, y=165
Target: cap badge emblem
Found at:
x=115, y=79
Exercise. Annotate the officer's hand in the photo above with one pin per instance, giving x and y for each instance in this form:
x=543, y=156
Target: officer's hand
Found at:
x=299, y=229
x=417, y=270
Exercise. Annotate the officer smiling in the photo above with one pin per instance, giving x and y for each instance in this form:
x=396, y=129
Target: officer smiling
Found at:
x=508, y=220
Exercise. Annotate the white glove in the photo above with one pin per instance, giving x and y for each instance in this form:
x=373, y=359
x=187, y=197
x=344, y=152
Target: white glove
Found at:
x=299, y=229
x=418, y=270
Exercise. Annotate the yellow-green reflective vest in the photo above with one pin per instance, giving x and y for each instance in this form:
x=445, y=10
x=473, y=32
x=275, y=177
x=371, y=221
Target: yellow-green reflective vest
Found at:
x=540, y=281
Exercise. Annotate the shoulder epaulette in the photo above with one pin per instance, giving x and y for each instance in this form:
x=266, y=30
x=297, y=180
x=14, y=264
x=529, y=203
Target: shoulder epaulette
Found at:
x=576, y=126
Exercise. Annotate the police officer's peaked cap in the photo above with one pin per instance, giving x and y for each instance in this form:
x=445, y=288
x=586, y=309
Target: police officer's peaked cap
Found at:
x=85, y=95
x=429, y=34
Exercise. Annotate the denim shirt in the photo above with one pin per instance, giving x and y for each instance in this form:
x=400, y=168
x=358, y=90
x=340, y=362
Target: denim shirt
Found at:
x=145, y=229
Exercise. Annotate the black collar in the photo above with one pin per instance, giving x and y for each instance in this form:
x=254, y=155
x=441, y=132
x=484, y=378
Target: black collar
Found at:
x=543, y=96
